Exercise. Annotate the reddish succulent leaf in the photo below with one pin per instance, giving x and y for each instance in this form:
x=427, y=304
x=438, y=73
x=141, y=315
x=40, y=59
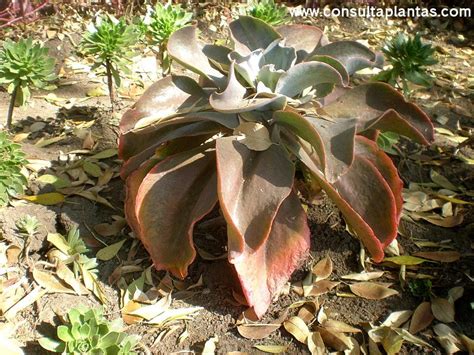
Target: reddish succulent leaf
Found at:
x=183, y=46
x=249, y=33
x=264, y=271
x=166, y=149
x=370, y=150
x=379, y=106
x=304, y=38
x=251, y=187
x=368, y=194
x=167, y=97
x=132, y=185
x=174, y=195
x=353, y=55
x=133, y=143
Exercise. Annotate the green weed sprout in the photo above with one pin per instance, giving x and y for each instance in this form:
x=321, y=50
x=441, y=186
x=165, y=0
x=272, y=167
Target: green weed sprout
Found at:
x=110, y=42
x=24, y=64
x=88, y=332
x=12, y=161
x=409, y=57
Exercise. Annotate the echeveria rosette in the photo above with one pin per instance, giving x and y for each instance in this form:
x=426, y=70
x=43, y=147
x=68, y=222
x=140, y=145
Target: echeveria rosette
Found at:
x=279, y=96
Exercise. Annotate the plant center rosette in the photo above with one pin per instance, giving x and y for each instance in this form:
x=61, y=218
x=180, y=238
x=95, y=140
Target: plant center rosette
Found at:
x=280, y=99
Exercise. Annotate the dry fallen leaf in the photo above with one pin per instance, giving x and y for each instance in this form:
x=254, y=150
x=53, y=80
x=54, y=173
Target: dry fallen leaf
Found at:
x=372, y=291
x=442, y=309
x=336, y=326
x=405, y=260
x=442, y=256
x=210, y=346
x=447, y=338
x=422, y=318
x=316, y=344
x=335, y=340
x=272, y=349
x=323, y=269
x=298, y=328
x=322, y=287
x=397, y=319
x=364, y=276
x=257, y=331
x=455, y=293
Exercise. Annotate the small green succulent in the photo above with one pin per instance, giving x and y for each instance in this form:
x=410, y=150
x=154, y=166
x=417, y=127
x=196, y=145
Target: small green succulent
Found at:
x=28, y=225
x=12, y=160
x=88, y=332
x=110, y=42
x=268, y=11
x=409, y=57
x=420, y=288
x=24, y=64
x=160, y=23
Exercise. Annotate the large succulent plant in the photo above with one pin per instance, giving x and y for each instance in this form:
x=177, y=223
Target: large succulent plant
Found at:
x=280, y=97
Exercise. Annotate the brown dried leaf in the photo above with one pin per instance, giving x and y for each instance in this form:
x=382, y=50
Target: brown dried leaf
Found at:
x=257, y=331
x=372, y=291
x=442, y=309
x=455, y=293
x=364, y=276
x=396, y=319
x=322, y=287
x=298, y=328
x=337, y=341
x=339, y=327
x=272, y=349
x=442, y=256
x=50, y=282
x=308, y=311
x=447, y=338
x=323, y=269
x=316, y=344
x=422, y=318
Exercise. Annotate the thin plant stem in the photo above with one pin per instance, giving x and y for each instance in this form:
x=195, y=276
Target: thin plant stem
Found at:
x=11, y=107
x=110, y=84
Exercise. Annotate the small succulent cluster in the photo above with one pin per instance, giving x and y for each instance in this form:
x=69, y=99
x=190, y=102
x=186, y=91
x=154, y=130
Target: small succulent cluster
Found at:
x=268, y=11
x=409, y=56
x=160, y=22
x=163, y=20
x=12, y=161
x=24, y=64
x=88, y=332
x=110, y=42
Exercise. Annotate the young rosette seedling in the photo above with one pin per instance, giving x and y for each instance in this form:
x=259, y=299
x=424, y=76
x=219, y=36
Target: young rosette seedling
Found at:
x=279, y=97
x=160, y=23
x=88, y=332
x=23, y=65
x=408, y=56
x=268, y=11
x=110, y=43
x=12, y=162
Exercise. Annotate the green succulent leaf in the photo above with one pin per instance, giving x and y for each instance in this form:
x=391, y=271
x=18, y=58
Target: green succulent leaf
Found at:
x=250, y=34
